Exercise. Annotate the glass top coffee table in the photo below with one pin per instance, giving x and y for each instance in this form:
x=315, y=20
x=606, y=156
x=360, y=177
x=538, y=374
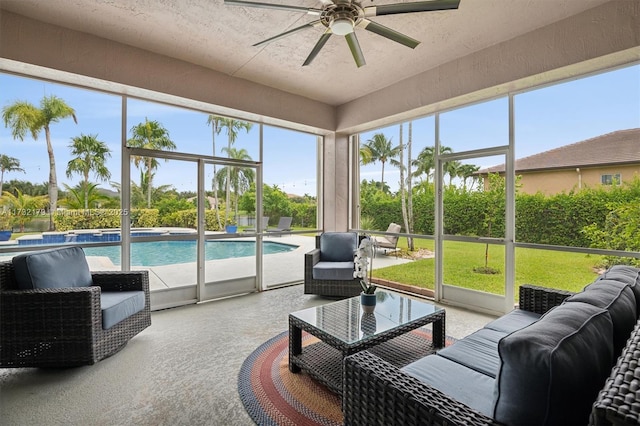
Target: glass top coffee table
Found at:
x=344, y=329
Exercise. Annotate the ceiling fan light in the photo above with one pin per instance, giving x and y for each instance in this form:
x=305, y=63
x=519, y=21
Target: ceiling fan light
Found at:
x=342, y=26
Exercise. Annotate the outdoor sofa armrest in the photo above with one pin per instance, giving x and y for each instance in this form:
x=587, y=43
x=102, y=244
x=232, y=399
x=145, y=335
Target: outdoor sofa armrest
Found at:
x=541, y=299
x=121, y=280
x=617, y=401
x=377, y=393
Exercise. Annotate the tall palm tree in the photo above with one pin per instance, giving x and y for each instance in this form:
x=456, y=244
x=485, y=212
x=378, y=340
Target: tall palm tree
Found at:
x=233, y=128
x=90, y=155
x=452, y=168
x=23, y=117
x=240, y=178
x=8, y=164
x=149, y=135
x=468, y=171
x=379, y=148
x=425, y=162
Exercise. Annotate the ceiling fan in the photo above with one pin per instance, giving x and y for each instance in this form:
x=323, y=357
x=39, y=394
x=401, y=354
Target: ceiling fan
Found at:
x=342, y=17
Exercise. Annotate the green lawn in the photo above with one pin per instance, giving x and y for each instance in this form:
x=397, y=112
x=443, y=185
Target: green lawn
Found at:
x=562, y=270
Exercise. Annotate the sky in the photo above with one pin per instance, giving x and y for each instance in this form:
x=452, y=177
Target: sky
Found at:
x=545, y=118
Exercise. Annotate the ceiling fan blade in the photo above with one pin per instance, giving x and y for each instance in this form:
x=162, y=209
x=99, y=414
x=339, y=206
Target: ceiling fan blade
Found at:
x=419, y=6
x=389, y=33
x=307, y=10
x=356, y=51
x=316, y=49
x=286, y=33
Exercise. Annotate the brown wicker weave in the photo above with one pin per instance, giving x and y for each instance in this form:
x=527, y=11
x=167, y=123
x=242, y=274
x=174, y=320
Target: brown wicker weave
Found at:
x=377, y=393
x=63, y=327
x=333, y=288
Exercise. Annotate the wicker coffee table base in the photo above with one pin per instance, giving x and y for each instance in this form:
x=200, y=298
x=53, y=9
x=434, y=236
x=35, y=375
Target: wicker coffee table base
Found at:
x=324, y=363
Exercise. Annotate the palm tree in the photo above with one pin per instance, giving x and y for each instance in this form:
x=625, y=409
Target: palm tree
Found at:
x=8, y=164
x=468, y=171
x=90, y=155
x=23, y=203
x=379, y=148
x=149, y=135
x=452, y=168
x=83, y=195
x=22, y=116
x=240, y=178
x=233, y=128
x=425, y=162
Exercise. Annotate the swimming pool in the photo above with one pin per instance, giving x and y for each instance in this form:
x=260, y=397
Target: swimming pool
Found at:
x=158, y=253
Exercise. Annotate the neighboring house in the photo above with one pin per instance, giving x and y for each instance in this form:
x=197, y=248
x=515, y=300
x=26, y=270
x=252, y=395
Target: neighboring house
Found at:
x=604, y=160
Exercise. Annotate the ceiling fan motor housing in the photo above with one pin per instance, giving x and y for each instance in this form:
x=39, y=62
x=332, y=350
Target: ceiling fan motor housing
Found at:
x=342, y=17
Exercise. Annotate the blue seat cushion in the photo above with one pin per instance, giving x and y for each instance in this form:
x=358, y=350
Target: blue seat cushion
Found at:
x=478, y=351
x=338, y=246
x=617, y=298
x=459, y=382
x=552, y=370
x=53, y=268
x=514, y=320
x=119, y=305
x=342, y=271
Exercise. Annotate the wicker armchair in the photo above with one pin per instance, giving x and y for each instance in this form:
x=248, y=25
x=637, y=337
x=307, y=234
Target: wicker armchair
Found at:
x=328, y=287
x=62, y=327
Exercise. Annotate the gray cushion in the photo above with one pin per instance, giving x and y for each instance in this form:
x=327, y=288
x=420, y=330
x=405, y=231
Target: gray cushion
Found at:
x=514, y=320
x=342, y=271
x=625, y=274
x=478, y=351
x=552, y=370
x=617, y=298
x=461, y=383
x=53, y=268
x=338, y=246
x=118, y=305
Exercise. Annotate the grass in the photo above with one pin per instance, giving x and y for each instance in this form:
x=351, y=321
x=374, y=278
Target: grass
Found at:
x=562, y=270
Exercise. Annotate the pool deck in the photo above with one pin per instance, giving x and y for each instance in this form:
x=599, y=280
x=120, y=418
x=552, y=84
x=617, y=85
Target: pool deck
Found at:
x=279, y=268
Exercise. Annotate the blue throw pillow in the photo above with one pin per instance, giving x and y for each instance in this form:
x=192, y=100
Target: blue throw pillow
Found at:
x=53, y=268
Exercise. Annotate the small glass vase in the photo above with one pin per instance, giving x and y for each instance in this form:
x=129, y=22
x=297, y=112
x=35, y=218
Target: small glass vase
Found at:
x=368, y=302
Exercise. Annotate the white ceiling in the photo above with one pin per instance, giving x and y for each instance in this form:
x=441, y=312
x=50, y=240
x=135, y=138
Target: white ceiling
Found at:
x=210, y=34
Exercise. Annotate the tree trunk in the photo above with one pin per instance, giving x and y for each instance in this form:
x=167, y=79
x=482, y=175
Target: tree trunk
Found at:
x=409, y=227
x=214, y=183
x=149, y=181
x=53, y=180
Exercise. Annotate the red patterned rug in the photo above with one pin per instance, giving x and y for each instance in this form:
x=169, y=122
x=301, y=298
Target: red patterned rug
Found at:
x=272, y=395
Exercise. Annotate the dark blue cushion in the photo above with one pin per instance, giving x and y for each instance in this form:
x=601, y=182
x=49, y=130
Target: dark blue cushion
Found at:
x=478, y=351
x=338, y=246
x=342, y=271
x=119, y=305
x=53, y=268
x=552, y=370
x=625, y=274
x=459, y=382
x=617, y=298
x=514, y=320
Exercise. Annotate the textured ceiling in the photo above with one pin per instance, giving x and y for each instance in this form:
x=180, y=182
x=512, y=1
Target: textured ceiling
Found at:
x=210, y=34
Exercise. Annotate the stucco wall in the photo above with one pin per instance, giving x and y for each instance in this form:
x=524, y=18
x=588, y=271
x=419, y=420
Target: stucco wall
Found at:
x=556, y=181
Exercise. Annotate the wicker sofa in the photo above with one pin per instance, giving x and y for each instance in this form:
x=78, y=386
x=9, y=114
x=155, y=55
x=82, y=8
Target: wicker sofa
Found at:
x=55, y=313
x=561, y=358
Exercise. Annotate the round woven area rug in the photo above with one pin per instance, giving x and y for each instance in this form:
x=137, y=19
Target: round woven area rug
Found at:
x=272, y=395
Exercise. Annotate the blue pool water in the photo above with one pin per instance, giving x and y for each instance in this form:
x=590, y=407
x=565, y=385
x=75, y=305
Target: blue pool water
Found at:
x=157, y=253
